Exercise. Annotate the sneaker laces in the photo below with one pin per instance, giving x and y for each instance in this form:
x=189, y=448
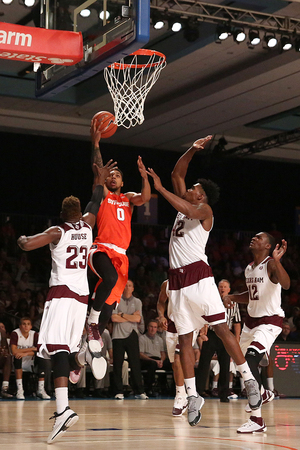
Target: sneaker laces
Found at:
x=55, y=415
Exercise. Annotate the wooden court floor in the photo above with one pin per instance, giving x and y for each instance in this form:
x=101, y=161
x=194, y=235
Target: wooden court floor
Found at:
x=148, y=424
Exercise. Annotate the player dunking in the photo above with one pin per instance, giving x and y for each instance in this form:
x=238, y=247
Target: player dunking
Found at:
x=66, y=304
x=107, y=257
x=193, y=294
x=265, y=277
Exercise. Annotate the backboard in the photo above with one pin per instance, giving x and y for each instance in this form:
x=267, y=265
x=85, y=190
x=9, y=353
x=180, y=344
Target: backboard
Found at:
x=113, y=30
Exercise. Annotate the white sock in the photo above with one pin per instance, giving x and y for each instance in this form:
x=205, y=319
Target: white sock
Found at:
x=270, y=382
x=94, y=316
x=214, y=384
x=62, y=400
x=180, y=391
x=256, y=413
x=41, y=385
x=19, y=384
x=230, y=384
x=190, y=385
x=245, y=371
x=5, y=385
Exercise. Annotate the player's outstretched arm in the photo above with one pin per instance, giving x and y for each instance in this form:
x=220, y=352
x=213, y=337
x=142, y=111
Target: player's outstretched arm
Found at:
x=229, y=300
x=162, y=305
x=51, y=235
x=201, y=213
x=277, y=272
x=95, y=138
x=139, y=199
x=179, y=172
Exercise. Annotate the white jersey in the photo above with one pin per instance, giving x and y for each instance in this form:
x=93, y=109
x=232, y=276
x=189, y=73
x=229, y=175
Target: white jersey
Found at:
x=264, y=296
x=21, y=341
x=187, y=243
x=69, y=257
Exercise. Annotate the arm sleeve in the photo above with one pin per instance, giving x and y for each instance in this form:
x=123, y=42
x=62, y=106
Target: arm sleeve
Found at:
x=94, y=204
x=14, y=338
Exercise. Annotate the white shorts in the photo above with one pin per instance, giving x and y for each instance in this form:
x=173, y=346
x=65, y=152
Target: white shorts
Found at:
x=173, y=344
x=62, y=326
x=195, y=305
x=260, y=338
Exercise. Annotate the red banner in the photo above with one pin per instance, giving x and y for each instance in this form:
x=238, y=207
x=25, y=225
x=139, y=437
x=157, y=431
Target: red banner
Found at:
x=38, y=45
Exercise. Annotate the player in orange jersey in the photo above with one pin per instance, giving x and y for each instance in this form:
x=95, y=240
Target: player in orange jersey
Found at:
x=107, y=257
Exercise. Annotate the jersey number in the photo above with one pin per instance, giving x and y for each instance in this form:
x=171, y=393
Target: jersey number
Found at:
x=75, y=252
x=177, y=229
x=253, y=292
x=120, y=214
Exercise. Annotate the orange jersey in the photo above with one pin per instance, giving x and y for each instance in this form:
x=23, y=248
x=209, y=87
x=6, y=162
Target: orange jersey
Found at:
x=114, y=221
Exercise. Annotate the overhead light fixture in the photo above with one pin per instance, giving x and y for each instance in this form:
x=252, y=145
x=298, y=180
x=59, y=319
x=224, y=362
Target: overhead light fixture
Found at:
x=7, y=2
x=158, y=24
x=29, y=3
x=254, y=38
x=286, y=43
x=271, y=40
x=107, y=15
x=176, y=26
x=85, y=13
x=239, y=35
x=223, y=32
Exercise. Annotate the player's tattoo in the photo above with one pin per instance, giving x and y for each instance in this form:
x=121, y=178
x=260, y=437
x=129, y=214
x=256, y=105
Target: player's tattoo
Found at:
x=96, y=156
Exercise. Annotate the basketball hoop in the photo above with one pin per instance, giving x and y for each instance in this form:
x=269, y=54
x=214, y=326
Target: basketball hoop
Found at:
x=129, y=83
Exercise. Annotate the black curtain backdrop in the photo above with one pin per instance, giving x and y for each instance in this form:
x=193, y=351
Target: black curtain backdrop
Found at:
x=38, y=172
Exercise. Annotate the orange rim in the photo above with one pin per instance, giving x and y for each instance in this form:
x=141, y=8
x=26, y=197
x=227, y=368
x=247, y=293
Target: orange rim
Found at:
x=141, y=52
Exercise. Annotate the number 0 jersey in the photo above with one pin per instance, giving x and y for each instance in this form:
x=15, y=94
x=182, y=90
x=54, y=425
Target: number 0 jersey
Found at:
x=114, y=221
x=264, y=295
x=187, y=242
x=69, y=257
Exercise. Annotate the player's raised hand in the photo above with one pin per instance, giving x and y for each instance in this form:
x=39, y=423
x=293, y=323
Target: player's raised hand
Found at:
x=157, y=183
x=101, y=173
x=279, y=250
x=142, y=167
x=95, y=131
x=201, y=143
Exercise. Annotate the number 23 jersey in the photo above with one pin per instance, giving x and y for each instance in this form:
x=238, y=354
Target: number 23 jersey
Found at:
x=69, y=257
x=114, y=221
x=264, y=295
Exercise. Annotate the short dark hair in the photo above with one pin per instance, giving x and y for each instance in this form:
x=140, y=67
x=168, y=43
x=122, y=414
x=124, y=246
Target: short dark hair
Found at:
x=271, y=240
x=23, y=320
x=70, y=208
x=120, y=171
x=211, y=190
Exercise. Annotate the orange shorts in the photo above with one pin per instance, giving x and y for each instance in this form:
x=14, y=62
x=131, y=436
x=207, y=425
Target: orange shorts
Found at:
x=120, y=263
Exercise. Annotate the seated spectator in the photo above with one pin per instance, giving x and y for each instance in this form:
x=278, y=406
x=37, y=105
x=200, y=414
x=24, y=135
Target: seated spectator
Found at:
x=285, y=334
x=295, y=334
x=153, y=356
x=5, y=362
x=24, y=282
x=23, y=343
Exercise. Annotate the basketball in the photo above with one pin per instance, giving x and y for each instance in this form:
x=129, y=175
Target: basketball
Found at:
x=107, y=125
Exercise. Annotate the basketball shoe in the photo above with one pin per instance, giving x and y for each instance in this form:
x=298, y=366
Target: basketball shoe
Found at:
x=94, y=359
x=74, y=376
x=194, y=406
x=41, y=393
x=20, y=395
x=5, y=393
x=93, y=333
x=180, y=406
x=253, y=425
x=253, y=394
x=63, y=421
x=142, y=396
x=267, y=397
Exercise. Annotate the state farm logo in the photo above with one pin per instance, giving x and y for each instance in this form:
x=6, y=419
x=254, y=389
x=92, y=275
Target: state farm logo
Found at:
x=15, y=38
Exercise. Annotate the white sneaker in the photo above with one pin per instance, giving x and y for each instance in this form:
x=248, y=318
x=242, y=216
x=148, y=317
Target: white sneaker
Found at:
x=194, y=406
x=20, y=395
x=63, y=421
x=253, y=425
x=267, y=397
x=43, y=394
x=180, y=406
x=94, y=359
x=253, y=394
x=74, y=376
x=119, y=397
x=142, y=396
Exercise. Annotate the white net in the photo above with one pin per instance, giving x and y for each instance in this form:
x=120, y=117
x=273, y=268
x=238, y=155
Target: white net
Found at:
x=130, y=82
